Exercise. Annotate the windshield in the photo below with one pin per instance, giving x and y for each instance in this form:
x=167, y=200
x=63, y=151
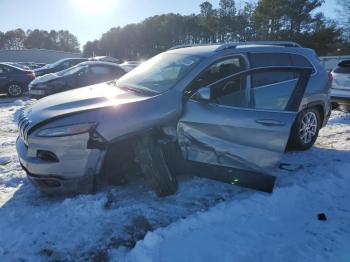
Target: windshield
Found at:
x=160, y=73
x=71, y=70
x=57, y=63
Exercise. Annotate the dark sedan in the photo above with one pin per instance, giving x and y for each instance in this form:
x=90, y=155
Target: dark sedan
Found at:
x=58, y=66
x=83, y=74
x=14, y=80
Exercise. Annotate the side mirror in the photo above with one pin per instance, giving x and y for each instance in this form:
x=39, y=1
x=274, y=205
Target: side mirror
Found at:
x=202, y=94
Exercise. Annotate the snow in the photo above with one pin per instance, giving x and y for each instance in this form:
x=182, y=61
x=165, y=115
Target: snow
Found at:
x=280, y=227
x=204, y=221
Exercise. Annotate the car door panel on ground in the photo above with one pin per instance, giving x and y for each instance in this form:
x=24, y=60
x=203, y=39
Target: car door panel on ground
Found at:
x=249, y=133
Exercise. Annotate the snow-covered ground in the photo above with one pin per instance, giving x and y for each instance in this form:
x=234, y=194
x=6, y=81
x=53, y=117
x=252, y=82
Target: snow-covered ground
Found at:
x=204, y=221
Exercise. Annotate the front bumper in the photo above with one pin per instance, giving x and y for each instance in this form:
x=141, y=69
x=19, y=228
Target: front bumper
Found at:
x=72, y=172
x=55, y=185
x=340, y=96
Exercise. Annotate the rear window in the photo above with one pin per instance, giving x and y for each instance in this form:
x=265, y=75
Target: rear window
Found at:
x=343, y=68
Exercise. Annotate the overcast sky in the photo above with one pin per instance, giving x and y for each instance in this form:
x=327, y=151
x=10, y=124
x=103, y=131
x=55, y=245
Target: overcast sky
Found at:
x=89, y=19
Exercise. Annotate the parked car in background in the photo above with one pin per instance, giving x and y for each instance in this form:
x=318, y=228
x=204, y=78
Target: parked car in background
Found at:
x=32, y=65
x=340, y=91
x=83, y=74
x=19, y=65
x=105, y=59
x=234, y=105
x=58, y=66
x=130, y=65
x=14, y=80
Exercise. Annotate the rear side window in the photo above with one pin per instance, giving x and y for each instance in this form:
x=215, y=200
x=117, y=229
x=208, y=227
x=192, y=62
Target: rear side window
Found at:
x=269, y=78
x=343, y=68
x=274, y=96
x=301, y=61
x=100, y=70
x=270, y=59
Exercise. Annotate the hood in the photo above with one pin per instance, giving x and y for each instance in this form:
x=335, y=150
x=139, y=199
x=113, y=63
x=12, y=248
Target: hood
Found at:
x=80, y=100
x=45, y=78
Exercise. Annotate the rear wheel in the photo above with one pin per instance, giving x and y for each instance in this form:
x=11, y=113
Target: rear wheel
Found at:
x=14, y=90
x=153, y=164
x=305, y=129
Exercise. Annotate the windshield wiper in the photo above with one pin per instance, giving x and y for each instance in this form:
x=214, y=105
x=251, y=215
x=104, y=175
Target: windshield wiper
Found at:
x=138, y=90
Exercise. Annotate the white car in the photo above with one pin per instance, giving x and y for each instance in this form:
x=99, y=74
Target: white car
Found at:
x=340, y=91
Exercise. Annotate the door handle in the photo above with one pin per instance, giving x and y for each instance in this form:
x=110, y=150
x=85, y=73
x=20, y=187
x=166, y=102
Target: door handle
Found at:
x=3, y=77
x=270, y=122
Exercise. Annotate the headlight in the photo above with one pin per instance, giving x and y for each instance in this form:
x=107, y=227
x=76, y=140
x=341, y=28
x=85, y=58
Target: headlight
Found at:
x=67, y=130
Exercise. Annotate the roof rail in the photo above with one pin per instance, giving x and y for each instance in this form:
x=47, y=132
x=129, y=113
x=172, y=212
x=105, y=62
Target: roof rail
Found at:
x=235, y=44
x=185, y=45
x=268, y=43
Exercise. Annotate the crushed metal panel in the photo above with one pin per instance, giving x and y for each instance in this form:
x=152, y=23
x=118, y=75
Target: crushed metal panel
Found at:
x=244, y=146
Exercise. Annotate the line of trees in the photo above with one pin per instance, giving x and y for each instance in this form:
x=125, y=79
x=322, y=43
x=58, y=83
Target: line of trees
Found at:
x=345, y=16
x=61, y=40
x=295, y=20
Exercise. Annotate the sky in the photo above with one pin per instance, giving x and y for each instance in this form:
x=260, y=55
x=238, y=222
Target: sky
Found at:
x=89, y=19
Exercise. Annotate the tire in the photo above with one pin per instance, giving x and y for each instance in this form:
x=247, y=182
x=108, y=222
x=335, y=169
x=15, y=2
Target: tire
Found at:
x=305, y=129
x=153, y=164
x=14, y=90
x=335, y=106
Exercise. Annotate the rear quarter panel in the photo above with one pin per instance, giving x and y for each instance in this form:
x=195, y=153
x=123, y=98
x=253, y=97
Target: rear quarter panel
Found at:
x=318, y=89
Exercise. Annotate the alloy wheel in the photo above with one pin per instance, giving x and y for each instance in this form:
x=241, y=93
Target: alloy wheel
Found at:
x=308, y=127
x=14, y=90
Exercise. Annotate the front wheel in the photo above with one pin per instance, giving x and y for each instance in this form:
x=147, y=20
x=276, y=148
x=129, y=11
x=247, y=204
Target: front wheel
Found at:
x=153, y=164
x=305, y=129
x=14, y=90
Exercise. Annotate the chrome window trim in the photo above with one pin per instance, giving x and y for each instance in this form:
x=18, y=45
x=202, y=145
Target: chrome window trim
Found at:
x=247, y=108
x=286, y=81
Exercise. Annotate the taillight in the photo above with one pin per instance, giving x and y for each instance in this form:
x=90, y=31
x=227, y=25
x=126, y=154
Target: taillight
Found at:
x=31, y=74
x=330, y=76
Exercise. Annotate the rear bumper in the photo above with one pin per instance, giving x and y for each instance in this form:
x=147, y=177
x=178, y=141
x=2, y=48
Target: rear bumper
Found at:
x=340, y=96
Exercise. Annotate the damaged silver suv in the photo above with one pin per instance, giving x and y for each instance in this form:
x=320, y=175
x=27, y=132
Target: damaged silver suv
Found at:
x=233, y=105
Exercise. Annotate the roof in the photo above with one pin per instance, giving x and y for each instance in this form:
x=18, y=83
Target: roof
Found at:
x=100, y=63
x=14, y=66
